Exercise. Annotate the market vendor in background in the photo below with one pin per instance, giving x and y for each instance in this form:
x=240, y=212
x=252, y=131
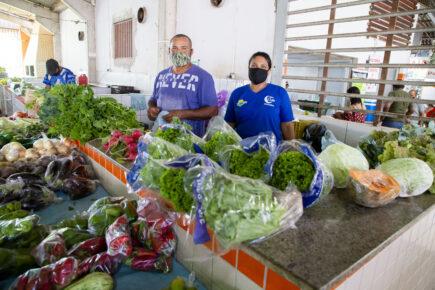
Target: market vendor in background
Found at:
x=184, y=90
x=57, y=74
x=260, y=106
x=355, y=104
x=419, y=110
x=398, y=107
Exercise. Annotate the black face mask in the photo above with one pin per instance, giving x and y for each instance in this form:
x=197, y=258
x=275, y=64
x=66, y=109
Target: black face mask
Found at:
x=257, y=75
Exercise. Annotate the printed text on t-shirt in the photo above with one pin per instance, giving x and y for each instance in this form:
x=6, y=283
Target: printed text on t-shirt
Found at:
x=180, y=81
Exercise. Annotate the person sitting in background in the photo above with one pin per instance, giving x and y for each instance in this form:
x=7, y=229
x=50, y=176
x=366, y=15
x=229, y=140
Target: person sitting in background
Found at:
x=355, y=104
x=57, y=74
x=398, y=107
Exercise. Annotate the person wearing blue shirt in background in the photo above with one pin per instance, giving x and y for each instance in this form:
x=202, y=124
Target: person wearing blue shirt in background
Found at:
x=260, y=106
x=57, y=74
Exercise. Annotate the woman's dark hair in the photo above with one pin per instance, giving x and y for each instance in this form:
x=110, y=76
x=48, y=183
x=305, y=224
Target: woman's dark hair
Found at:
x=353, y=90
x=354, y=101
x=263, y=54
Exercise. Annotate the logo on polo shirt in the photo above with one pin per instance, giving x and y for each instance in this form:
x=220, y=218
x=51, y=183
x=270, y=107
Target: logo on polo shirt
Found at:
x=269, y=101
x=241, y=102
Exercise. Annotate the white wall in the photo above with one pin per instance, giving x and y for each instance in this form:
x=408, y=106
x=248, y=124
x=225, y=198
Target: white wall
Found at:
x=74, y=52
x=10, y=49
x=224, y=38
x=142, y=69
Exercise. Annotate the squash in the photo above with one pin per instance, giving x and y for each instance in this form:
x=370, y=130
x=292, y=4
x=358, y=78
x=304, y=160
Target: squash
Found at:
x=373, y=188
x=93, y=281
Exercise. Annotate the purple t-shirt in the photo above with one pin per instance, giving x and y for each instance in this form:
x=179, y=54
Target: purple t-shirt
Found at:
x=191, y=90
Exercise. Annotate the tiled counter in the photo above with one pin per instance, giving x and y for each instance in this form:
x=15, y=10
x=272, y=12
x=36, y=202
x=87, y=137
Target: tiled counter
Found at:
x=337, y=245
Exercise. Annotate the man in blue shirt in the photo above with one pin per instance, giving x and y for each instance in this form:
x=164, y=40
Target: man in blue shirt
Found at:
x=260, y=106
x=184, y=90
x=57, y=74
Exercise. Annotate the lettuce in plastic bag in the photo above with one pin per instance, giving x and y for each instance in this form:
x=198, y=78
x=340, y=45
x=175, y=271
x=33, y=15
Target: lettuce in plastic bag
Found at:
x=340, y=158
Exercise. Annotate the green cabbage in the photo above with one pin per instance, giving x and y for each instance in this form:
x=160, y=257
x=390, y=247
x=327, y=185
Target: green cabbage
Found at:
x=340, y=158
x=413, y=175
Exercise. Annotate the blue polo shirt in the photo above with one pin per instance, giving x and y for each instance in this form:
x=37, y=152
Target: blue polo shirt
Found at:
x=254, y=113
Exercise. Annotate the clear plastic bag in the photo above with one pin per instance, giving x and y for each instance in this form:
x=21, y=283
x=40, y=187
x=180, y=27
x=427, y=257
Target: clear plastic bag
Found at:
x=88, y=248
x=322, y=181
x=340, y=158
x=249, y=159
x=100, y=263
x=53, y=276
x=50, y=250
x=218, y=135
x=159, y=224
x=373, y=188
x=166, y=179
x=239, y=209
x=150, y=147
x=118, y=238
x=146, y=260
x=181, y=135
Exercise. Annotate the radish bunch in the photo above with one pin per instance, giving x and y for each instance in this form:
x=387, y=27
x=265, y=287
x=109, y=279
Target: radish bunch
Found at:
x=123, y=146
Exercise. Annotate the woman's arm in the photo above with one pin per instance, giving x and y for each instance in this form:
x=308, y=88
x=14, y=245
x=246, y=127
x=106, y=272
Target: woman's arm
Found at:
x=288, y=131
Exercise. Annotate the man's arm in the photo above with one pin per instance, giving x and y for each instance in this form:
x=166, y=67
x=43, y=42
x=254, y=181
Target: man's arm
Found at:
x=288, y=130
x=203, y=113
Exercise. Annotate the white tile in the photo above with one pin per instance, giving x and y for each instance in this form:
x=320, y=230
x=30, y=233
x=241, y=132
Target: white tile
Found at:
x=244, y=283
x=224, y=274
x=355, y=281
x=381, y=261
x=368, y=275
x=202, y=264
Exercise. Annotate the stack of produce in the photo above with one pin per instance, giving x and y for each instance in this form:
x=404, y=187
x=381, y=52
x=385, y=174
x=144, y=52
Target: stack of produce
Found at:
x=32, y=182
x=73, y=112
x=409, y=142
x=21, y=130
x=122, y=147
x=113, y=231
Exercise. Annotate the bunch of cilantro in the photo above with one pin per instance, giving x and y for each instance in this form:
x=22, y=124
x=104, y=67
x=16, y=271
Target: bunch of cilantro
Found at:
x=73, y=112
x=292, y=167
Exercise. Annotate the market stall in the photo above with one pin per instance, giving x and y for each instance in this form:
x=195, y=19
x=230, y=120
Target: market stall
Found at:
x=248, y=214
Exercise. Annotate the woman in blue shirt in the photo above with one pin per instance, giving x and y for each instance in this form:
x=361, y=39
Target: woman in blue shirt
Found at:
x=260, y=106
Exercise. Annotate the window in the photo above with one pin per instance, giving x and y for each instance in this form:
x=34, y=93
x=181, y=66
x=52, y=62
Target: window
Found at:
x=30, y=70
x=123, y=39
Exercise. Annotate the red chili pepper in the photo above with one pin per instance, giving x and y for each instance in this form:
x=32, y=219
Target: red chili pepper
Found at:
x=88, y=248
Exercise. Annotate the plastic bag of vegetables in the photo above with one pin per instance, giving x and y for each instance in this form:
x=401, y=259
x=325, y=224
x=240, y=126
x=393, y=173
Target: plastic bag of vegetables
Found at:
x=250, y=157
x=150, y=147
x=414, y=176
x=239, y=209
x=180, y=134
x=168, y=178
x=13, y=151
x=373, y=188
x=218, y=135
x=54, y=276
x=50, y=250
x=294, y=163
x=13, y=229
x=340, y=158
